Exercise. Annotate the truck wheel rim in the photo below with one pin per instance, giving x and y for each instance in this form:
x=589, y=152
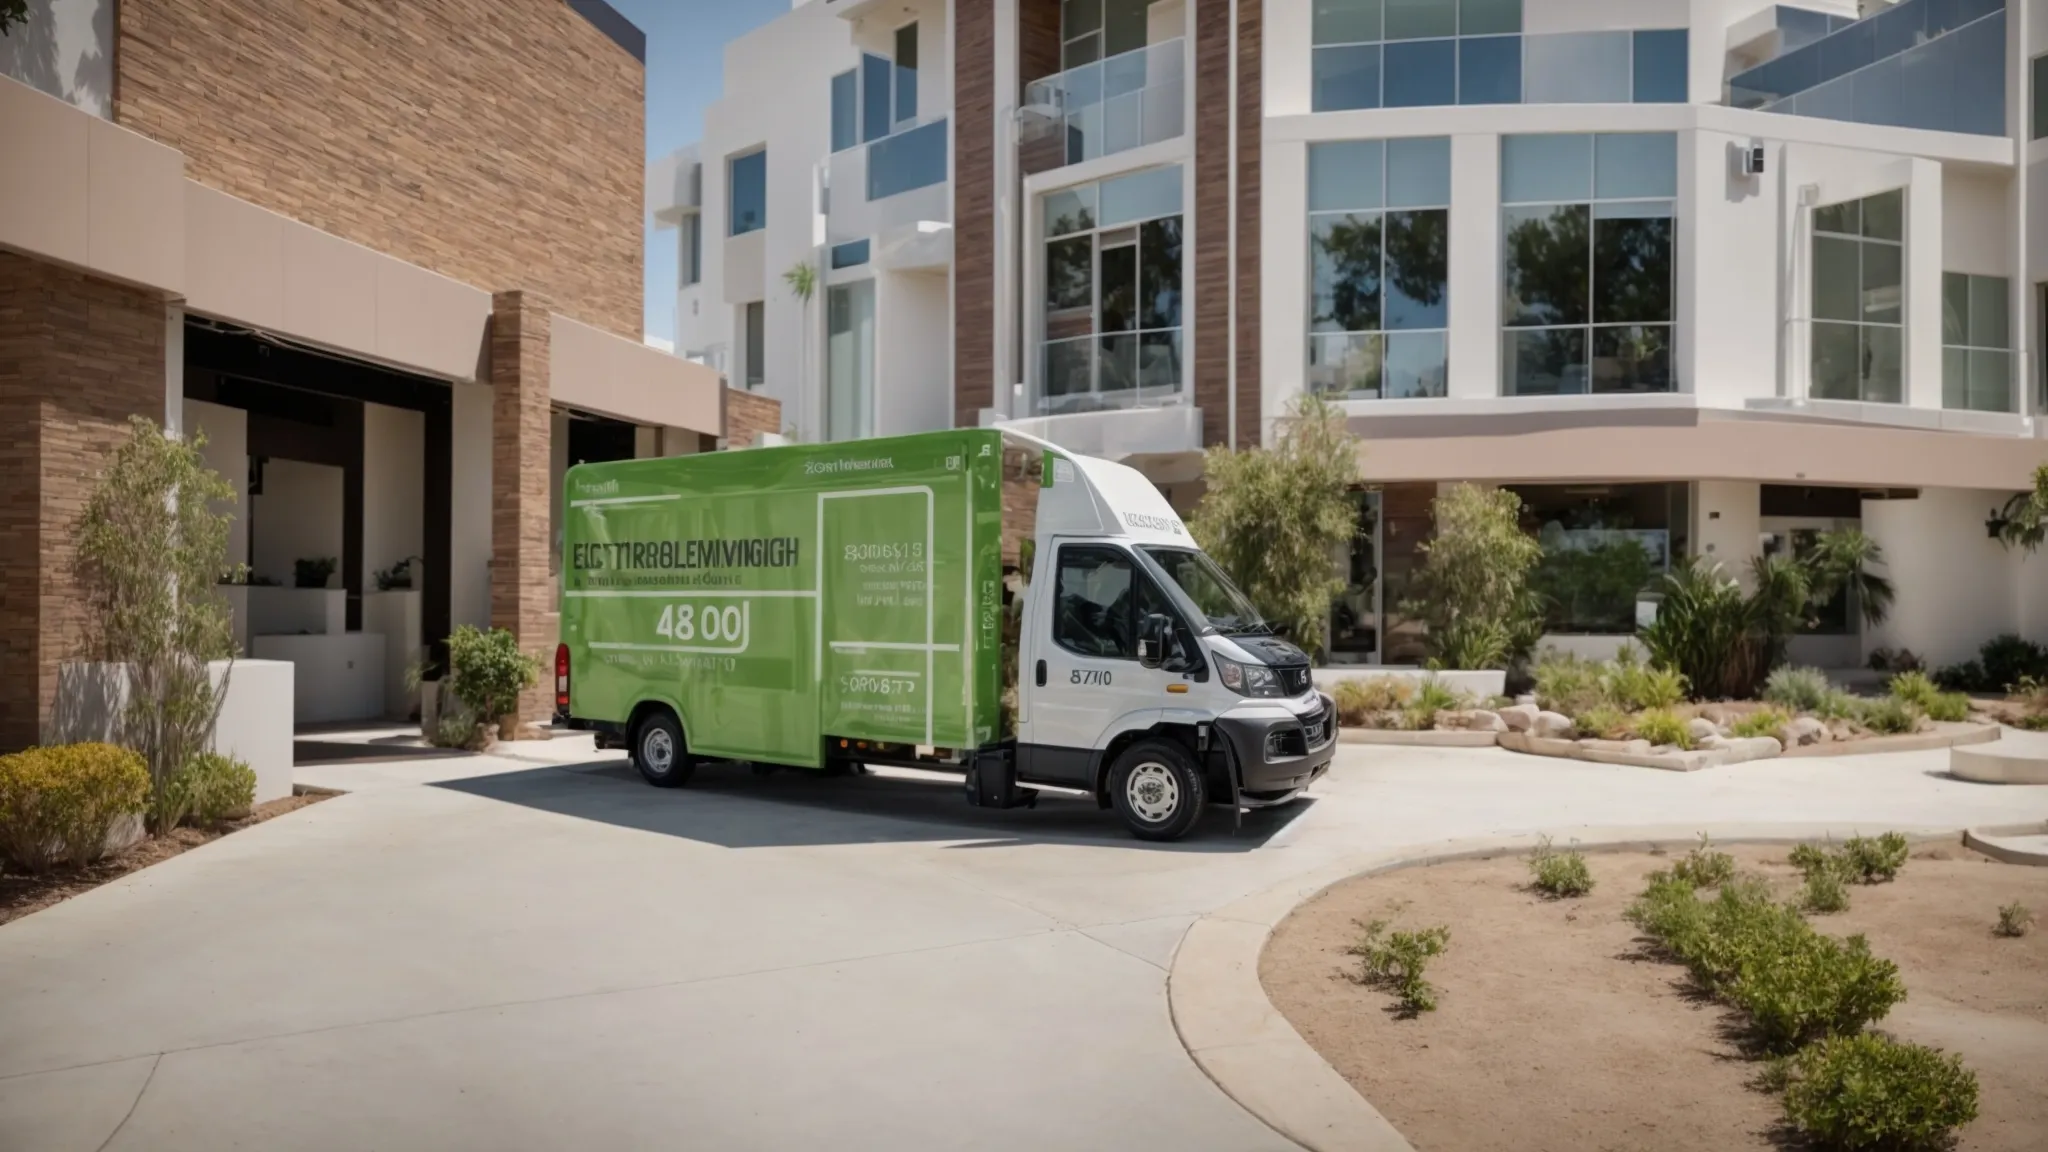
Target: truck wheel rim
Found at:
x=659, y=751
x=1153, y=792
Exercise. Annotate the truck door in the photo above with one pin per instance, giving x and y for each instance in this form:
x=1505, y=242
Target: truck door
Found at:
x=1081, y=676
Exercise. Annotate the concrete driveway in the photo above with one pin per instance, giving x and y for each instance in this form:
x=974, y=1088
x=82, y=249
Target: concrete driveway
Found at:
x=540, y=952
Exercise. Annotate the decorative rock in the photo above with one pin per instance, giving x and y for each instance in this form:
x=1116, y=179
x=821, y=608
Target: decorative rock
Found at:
x=1634, y=747
x=1803, y=730
x=1699, y=728
x=1714, y=743
x=1553, y=725
x=1756, y=747
x=1520, y=717
x=1485, y=721
x=1528, y=698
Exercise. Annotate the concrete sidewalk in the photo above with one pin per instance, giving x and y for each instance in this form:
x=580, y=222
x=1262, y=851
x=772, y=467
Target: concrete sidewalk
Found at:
x=543, y=952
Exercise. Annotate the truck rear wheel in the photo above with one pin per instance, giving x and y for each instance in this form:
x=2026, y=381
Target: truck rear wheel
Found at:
x=659, y=752
x=1158, y=789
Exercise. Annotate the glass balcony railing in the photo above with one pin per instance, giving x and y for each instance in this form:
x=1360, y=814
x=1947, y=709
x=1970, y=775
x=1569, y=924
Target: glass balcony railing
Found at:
x=1110, y=372
x=1113, y=105
x=907, y=160
x=1935, y=64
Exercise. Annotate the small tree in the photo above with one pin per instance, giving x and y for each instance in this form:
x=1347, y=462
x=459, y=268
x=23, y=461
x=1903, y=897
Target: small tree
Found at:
x=802, y=279
x=12, y=12
x=2023, y=522
x=152, y=550
x=1473, y=587
x=1272, y=518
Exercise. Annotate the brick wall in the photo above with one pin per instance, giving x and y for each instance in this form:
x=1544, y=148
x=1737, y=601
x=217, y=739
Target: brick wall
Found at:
x=78, y=355
x=522, y=423
x=498, y=142
x=747, y=415
x=974, y=204
x=1211, y=360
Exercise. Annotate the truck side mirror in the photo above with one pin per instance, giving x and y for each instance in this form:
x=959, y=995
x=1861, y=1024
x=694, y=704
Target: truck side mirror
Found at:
x=1155, y=632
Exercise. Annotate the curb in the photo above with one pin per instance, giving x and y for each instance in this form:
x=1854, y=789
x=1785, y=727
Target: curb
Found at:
x=1991, y=840
x=1431, y=739
x=1240, y=1041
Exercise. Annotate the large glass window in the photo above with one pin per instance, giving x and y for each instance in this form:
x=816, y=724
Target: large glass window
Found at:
x=1112, y=304
x=1098, y=598
x=2039, y=96
x=871, y=101
x=1976, y=343
x=747, y=185
x=693, y=248
x=1411, y=53
x=1588, y=263
x=906, y=73
x=845, y=110
x=849, y=360
x=1379, y=245
x=1935, y=64
x=1858, y=299
x=1603, y=545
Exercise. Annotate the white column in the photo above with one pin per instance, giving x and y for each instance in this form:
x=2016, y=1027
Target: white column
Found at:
x=1283, y=278
x=1726, y=524
x=1922, y=358
x=1008, y=211
x=1954, y=583
x=174, y=370
x=1475, y=267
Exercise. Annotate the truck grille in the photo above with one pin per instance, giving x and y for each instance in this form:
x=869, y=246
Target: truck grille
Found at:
x=1295, y=680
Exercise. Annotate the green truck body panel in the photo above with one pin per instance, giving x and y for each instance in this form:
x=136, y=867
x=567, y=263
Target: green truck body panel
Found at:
x=776, y=597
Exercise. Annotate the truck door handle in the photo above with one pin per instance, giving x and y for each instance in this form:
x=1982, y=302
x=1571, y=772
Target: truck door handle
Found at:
x=1041, y=673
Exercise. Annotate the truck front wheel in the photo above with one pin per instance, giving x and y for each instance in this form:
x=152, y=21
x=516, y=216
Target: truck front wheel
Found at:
x=1158, y=789
x=659, y=753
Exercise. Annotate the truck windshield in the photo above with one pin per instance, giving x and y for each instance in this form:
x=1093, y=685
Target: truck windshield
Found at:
x=1225, y=608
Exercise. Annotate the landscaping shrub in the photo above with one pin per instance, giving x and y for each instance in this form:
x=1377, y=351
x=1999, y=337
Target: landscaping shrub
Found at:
x=1471, y=590
x=1431, y=697
x=1889, y=717
x=1824, y=892
x=1860, y=859
x=1798, y=689
x=2014, y=919
x=1559, y=874
x=1707, y=629
x=1762, y=722
x=2001, y=664
x=1568, y=684
x=1948, y=707
x=458, y=727
x=1604, y=723
x=1397, y=963
x=1856, y=1092
x=1360, y=701
x=1913, y=688
x=218, y=788
x=60, y=802
x=488, y=671
x=1662, y=726
x=1818, y=986
x=1895, y=660
x=1704, y=866
x=1840, y=706
x=1636, y=686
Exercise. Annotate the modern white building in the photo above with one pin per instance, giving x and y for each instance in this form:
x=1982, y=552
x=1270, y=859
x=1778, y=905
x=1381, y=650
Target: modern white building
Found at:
x=1694, y=277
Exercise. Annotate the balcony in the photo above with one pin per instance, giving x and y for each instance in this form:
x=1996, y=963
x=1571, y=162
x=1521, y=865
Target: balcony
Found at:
x=1114, y=105
x=892, y=183
x=1111, y=372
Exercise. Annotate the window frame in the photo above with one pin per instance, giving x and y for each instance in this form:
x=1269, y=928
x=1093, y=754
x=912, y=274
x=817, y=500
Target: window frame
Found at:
x=1591, y=326
x=754, y=343
x=1816, y=324
x=1969, y=348
x=1091, y=226
x=732, y=204
x=857, y=76
x=1141, y=581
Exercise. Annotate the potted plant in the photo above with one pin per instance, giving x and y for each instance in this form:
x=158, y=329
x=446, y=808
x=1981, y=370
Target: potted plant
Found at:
x=398, y=577
x=313, y=571
x=487, y=671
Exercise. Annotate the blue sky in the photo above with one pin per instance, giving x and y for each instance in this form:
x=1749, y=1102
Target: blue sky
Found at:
x=685, y=56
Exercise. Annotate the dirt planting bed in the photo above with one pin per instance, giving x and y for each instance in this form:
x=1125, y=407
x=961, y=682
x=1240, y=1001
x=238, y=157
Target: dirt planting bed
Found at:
x=1560, y=1029
x=23, y=893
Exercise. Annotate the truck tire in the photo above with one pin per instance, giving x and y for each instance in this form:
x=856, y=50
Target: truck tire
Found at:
x=1158, y=789
x=659, y=752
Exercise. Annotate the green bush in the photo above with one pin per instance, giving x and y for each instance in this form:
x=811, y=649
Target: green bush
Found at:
x=1471, y=591
x=1824, y=892
x=1874, y=860
x=1913, y=688
x=2014, y=920
x=1840, y=706
x=1559, y=874
x=1604, y=723
x=218, y=787
x=1359, y=701
x=1798, y=689
x=1397, y=962
x=1949, y=708
x=488, y=671
x=1762, y=722
x=1819, y=987
x=1856, y=1092
x=1662, y=726
x=1637, y=686
x=2001, y=663
x=457, y=726
x=1889, y=717
x=1568, y=684
x=1704, y=866
x=61, y=802
x=1431, y=697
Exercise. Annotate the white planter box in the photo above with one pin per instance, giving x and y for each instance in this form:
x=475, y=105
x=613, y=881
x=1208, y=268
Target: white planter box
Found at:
x=338, y=677
x=396, y=614
x=297, y=611
x=255, y=724
x=1479, y=685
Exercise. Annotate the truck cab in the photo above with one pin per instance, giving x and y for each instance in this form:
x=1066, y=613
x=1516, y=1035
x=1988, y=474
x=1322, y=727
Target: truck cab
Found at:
x=1145, y=676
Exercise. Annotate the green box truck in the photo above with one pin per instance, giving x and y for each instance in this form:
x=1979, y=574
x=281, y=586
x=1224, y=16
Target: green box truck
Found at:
x=823, y=606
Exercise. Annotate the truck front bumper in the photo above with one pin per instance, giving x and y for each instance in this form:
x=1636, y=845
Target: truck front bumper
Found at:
x=1280, y=751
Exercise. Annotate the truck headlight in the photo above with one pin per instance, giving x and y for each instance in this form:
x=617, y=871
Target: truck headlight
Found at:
x=1249, y=679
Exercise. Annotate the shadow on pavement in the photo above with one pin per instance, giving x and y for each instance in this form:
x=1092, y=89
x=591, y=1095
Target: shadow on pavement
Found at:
x=350, y=752
x=732, y=806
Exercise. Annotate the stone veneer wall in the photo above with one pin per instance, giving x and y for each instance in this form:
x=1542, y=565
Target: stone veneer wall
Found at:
x=747, y=415
x=497, y=142
x=78, y=356
x=522, y=424
x=1210, y=362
